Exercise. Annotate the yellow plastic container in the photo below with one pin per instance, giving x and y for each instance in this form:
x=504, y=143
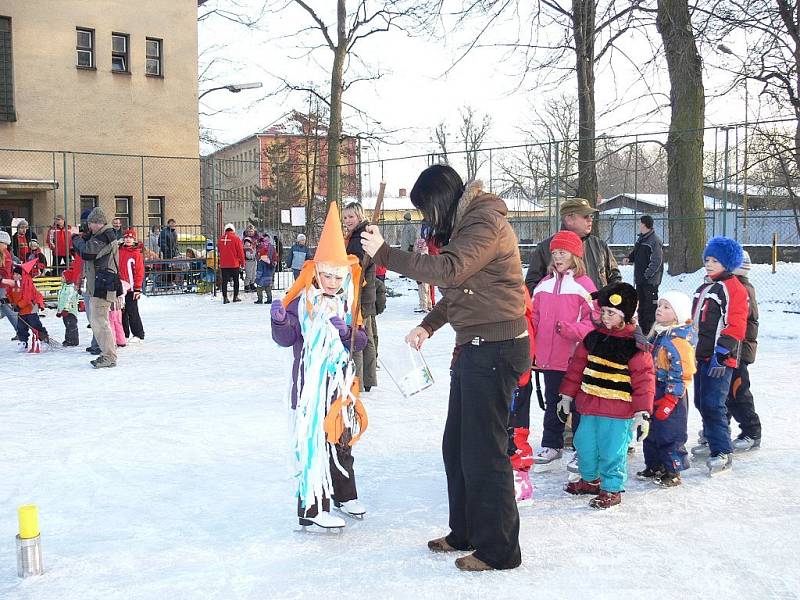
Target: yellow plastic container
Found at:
x=28, y=521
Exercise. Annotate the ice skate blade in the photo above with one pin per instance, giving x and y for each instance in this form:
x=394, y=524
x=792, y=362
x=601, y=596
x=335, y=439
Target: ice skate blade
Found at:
x=525, y=503
x=308, y=526
x=344, y=513
x=713, y=472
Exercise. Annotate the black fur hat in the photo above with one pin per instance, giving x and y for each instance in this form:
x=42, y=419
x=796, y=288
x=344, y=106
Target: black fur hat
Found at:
x=619, y=296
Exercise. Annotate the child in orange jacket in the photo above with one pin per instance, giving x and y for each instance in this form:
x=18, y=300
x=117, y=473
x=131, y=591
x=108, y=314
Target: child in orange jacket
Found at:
x=23, y=294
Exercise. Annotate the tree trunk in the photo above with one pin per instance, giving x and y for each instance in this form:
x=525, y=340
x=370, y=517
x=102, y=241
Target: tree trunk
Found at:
x=335, y=124
x=583, y=16
x=687, y=230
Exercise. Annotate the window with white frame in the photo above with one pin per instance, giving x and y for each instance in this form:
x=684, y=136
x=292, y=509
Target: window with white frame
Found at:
x=154, y=62
x=120, y=47
x=84, y=48
x=155, y=211
x=122, y=210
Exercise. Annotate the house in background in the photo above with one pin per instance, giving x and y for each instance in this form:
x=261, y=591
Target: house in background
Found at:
x=250, y=170
x=106, y=81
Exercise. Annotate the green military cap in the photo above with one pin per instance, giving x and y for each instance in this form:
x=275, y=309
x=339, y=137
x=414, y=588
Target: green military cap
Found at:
x=576, y=206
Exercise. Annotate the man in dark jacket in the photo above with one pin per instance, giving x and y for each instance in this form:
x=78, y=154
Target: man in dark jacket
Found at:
x=648, y=267
x=741, y=405
x=168, y=241
x=577, y=215
x=21, y=242
x=99, y=248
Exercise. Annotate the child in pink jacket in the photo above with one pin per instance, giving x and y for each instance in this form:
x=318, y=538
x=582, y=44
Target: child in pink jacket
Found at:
x=562, y=317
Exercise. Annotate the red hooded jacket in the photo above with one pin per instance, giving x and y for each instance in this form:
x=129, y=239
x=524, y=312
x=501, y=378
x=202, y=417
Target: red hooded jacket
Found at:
x=231, y=251
x=59, y=241
x=74, y=273
x=25, y=296
x=131, y=266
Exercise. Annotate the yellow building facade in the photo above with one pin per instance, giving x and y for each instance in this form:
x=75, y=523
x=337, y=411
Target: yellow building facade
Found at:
x=94, y=94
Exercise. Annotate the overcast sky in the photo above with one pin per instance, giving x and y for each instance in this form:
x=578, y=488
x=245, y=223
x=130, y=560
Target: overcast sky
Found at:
x=419, y=87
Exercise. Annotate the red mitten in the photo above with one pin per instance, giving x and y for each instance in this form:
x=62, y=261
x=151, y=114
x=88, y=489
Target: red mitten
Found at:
x=664, y=406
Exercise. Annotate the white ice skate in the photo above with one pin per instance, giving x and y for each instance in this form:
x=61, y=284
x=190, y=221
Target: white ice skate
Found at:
x=547, y=459
x=324, y=520
x=745, y=444
x=572, y=466
x=701, y=450
x=719, y=463
x=351, y=508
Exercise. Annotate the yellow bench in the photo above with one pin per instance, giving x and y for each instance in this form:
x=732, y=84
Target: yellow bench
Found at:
x=48, y=286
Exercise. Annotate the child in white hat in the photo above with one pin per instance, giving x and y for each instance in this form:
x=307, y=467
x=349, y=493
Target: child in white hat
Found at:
x=672, y=338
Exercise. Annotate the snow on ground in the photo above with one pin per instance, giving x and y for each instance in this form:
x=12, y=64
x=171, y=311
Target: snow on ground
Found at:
x=167, y=477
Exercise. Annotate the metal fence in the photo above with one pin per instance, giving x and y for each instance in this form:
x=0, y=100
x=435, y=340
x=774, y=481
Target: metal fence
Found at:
x=750, y=191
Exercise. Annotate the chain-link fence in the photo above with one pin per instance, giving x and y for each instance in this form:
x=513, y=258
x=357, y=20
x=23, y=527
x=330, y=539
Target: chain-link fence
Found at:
x=749, y=172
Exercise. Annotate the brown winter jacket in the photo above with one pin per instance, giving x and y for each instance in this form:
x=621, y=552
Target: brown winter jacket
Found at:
x=479, y=272
x=750, y=343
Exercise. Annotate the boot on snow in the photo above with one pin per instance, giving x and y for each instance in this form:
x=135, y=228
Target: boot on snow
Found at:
x=605, y=500
x=650, y=473
x=582, y=487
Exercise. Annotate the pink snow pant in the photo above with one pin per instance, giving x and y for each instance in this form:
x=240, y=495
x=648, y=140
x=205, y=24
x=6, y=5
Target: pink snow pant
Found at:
x=115, y=319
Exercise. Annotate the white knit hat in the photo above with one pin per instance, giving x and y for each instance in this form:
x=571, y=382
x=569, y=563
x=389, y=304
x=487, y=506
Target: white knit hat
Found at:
x=5, y=238
x=229, y=226
x=681, y=305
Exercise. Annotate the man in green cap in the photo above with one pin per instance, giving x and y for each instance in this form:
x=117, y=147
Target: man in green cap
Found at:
x=577, y=216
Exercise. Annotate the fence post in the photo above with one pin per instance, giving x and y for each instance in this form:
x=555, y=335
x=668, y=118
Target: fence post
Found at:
x=725, y=186
x=144, y=229
x=490, y=170
x=774, y=252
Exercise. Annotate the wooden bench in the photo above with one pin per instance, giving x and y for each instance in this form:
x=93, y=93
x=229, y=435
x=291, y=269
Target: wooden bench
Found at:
x=48, y=286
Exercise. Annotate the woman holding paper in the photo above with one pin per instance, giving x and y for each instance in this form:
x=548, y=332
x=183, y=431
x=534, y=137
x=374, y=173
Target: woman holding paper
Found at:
x=478, y=270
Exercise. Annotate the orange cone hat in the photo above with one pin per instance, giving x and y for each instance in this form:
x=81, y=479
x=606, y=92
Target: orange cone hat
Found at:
x=330, y=249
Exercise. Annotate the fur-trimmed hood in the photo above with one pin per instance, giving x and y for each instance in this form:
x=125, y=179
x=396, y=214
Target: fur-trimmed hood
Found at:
x=474, y=194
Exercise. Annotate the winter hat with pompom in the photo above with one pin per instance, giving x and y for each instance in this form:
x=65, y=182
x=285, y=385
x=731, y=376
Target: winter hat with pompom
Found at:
x=726, y=250
x=621, y=297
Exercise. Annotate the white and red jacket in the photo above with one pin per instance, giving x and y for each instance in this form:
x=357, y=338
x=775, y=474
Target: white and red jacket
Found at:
x=231, y=251
x=562, y=316
x=719, y=315
x=131, y=266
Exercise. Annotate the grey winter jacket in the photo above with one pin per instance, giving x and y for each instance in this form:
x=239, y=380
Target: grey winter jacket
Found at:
x=298, y=255
x=750, y=341
x=648, y=259
x=601, y=266
x=99, y=253
x=408, y=237
x=168, y=243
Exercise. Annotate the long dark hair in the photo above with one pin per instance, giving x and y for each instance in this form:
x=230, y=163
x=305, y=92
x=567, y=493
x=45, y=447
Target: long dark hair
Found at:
x=435, y=194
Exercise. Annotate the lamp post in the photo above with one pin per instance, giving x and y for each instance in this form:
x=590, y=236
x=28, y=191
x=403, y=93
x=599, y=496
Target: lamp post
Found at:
x=233, y=88
x=726, y=50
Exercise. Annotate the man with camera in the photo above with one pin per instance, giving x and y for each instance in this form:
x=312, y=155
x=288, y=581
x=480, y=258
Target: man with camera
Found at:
x=99, y=248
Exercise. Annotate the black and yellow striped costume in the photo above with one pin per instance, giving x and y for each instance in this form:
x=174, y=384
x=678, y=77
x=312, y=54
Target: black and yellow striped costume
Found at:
x=607, y=374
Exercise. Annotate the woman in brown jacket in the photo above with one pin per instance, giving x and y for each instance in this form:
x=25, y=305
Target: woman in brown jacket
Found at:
x=479, y=272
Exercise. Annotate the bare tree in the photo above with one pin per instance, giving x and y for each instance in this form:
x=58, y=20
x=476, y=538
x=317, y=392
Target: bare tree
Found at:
x=339, y=34
x=687, y=232
x=473, y=131
x=440, y=135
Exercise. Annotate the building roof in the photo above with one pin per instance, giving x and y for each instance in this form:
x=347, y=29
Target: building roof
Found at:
x=660, y=201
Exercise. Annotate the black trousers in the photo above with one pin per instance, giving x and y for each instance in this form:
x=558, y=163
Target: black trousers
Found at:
x=70, y=327
x=648, y=301
x=741, y=405
x=230, y=275
x=480, y=484
x=131, y=321
x=344, y=486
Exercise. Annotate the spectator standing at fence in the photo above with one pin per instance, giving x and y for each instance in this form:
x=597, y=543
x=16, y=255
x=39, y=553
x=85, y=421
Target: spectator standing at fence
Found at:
x=408, y=235
x=355, y=222
x=131, y=267
x=231, y=261
x=35, y=253
x=99, y=249
x=168, y=241
x=299, y=254
x=276, y=241
x=251, y=232
x=152, y=240
x=250, y=264
x=648, y=267
x=21, y=242
x=59, y=241
x=6, y=272
x=116, y=225
x=577, y=216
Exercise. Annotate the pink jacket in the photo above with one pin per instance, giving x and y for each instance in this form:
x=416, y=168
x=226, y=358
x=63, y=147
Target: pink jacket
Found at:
x=561, y=318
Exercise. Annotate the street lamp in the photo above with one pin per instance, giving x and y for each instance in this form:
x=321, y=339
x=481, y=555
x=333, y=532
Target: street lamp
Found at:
x=234, y=88
x=726, y=50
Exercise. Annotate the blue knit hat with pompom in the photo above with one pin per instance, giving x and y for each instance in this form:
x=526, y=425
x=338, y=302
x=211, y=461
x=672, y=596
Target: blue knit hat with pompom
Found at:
x=726, y=250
